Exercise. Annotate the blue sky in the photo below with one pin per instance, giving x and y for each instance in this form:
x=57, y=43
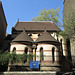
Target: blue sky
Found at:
x=25, y=10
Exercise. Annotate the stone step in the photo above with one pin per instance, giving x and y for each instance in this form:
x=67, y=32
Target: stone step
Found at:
x=32, y=73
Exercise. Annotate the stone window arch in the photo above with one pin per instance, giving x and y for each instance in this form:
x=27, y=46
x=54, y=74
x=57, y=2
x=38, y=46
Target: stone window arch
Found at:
x=53, y=57
x=41, y=54
x=14, y=50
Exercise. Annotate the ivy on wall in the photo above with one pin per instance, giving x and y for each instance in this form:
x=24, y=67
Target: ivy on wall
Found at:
x=5, y=58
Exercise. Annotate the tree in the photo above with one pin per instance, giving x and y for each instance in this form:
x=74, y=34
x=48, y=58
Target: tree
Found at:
x=4, y=58
x=48, y=15
x=69, y=26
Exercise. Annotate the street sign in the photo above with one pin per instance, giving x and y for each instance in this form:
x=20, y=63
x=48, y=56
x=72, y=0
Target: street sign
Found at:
x=34, y=64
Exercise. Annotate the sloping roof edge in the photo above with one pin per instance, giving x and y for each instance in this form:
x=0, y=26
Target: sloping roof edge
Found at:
x=23, y=36
x=46, y=37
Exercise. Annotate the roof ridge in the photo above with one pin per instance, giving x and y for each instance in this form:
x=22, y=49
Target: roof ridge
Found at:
x=36, y=21
x=36, y=25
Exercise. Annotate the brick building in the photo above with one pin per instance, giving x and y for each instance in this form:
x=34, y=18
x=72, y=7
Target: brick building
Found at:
x=40, y=39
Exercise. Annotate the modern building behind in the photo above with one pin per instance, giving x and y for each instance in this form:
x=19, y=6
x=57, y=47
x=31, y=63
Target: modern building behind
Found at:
x=69, y=8
x=3, y=25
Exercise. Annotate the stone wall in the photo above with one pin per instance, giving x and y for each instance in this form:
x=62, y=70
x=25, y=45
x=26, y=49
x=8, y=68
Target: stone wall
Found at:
x=48, y=62
x=69, y=7
x=20, y=48
x=33, y=73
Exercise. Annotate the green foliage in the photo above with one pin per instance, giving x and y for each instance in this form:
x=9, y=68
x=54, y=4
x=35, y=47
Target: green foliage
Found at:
x=69, y=26
x=6, y=57
x=30, y=56
x=12, y=57
x=48, y=15
x=19, y=57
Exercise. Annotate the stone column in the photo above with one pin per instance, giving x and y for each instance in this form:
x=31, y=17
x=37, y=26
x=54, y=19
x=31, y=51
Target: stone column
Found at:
x=65, y=51
x=34, y=51
x=28, y=54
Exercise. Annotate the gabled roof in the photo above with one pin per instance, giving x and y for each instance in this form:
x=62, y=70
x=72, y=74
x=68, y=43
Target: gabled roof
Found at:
x=23, y=37
x=36, y=26
x=46, y=37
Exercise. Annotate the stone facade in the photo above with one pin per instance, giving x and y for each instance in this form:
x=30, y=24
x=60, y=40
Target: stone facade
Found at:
x=49, y=49
x=20, y=48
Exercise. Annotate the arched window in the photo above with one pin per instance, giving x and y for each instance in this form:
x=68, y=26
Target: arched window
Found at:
x=41, y=54
x=53, y=58
x=25, y=51
x=14, y=50
x=61, y=46
x=68, y=48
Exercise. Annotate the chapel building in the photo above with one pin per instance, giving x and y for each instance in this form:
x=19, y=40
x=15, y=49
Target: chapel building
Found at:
x=41, y=39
